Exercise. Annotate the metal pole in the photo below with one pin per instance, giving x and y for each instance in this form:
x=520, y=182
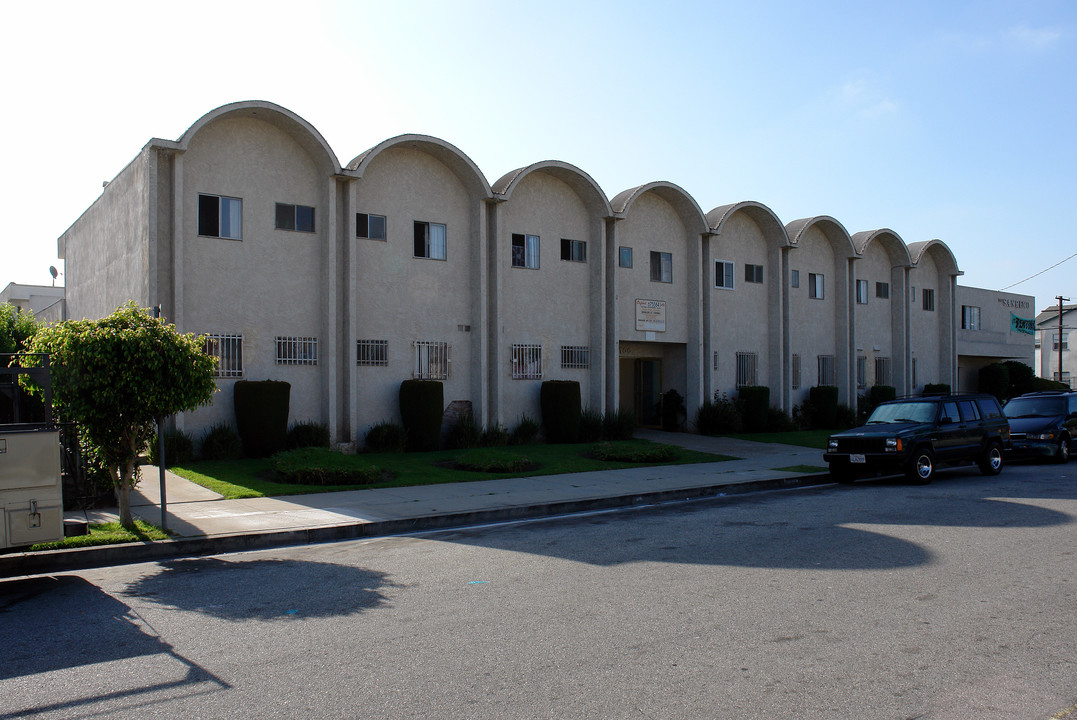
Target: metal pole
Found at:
x=1060, y=299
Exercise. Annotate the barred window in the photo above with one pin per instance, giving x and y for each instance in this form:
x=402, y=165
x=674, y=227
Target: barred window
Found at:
x=297, y=350
x=861, y=372
x=796, y=371
x=228, y=349
x=527, y=362
x=432, y=360
x=575, y=357
x=826, y=370
x=882, y=371
x=914, y=378
x=747, y=369
x=372, y=352
x=715, y=361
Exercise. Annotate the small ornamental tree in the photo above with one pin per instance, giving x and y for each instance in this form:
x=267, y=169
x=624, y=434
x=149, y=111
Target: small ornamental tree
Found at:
x=115, y=376
x=17, y=328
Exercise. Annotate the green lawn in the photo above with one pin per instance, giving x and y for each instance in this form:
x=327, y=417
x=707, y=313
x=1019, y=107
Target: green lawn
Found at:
x=236, y=479
x=804, y=438
x=107, y=534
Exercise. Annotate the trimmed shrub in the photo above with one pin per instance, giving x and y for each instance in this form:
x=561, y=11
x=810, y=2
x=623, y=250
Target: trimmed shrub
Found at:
x=995, y=379
x=308, y=434
x=754, y=402
x=320, y=466
x=823, y=406
x=673, y=413
x=619, y=424
x=179, y=449
x=493, y=462
x=262, y=415
x=221, y=443
x=591, y=426
x=844, y=418
x=1038, y=384
x=632, y=453
x=422, y=404
x=561, y=409
x=464, y=434
x=525, y=432
x=1021, y=377
x=495, y=436
x=778, y=420
x=721, y=417
x=936, y=389
x=385, y=437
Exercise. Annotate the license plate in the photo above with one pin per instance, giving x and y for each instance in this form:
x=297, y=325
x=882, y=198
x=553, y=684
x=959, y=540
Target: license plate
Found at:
x=858, y=459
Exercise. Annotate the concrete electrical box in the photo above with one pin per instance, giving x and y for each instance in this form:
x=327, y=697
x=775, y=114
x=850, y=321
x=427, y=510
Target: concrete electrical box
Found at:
x=31, y=505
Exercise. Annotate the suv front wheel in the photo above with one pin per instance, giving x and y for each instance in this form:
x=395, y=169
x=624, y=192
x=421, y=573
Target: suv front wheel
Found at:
x=990, y=461
x=921, y=467
x=1062, y=452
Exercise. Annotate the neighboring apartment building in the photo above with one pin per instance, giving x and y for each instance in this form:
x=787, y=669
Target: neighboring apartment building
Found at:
x=993, y=326
x=44, y=301
x=406, y=262
x=1050, y=339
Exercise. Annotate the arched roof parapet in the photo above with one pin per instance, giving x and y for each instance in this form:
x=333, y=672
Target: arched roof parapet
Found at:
x=833, y=230
x=940, y=252
x=684, y=204
x=581, y=183
x=764, y=217
x=446, y=153
x=895, y=247
x=299, y=129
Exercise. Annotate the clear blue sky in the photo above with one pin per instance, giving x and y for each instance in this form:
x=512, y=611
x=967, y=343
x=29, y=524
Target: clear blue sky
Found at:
x=951, y=120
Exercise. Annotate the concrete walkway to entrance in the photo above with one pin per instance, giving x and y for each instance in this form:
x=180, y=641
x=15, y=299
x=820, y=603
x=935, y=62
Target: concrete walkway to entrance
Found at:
x=219, y=525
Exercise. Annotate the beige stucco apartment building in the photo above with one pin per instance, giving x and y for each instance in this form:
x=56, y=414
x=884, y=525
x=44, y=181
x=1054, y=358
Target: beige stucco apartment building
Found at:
x=345, y=279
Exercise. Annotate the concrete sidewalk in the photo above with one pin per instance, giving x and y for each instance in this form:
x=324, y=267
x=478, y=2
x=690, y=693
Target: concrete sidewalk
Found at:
x=204, y=522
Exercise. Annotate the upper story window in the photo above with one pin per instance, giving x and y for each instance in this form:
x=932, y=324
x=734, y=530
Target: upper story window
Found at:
x=220, y=216
x=294, y=217
x=882, y=290
x=723, y=274
x=370, y=226
x=525, y=251
x=929, y=299
x=430, y=240
x=372, y=352
x=1065, y=341
x=970, y=317
x=815, y=286
x=794, y=278
x=661, y=267
x=753, y=273
x=297, y=350
x=861, y=292
x=624, y=256
x=574, y=250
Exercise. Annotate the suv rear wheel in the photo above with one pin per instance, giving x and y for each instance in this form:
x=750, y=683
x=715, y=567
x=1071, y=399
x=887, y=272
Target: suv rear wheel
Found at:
x=921, y=467
x=990, y=461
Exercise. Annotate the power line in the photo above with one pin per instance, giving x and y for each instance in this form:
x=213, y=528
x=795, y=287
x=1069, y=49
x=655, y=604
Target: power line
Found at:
x=1041, y=272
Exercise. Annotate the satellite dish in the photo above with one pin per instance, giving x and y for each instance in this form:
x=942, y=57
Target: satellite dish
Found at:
x=53, y=271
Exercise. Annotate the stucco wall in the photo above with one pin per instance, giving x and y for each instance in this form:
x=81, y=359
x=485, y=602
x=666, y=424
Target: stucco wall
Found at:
x=812, y=326
x=874, y=321
x=106, y=251
x=926, y=326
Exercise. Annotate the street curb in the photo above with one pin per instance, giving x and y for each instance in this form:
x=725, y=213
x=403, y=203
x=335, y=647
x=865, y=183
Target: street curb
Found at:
x=54, y=561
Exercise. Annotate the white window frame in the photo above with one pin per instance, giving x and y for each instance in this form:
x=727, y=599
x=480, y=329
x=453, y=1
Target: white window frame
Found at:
x=624, y=256
x=970, y=317
x=662, y=270
x=861, y=292
x=725, y=268
x=435, y=247
x=1065, y=341
x=371, y=220
x=432, y=360
x=372, y=353
x=525, y=251
x=227, y=207
x=747, y=369
x=294, y=350
x=816, y=286
x=526, y=360
x=228, y=349
x=575, y=357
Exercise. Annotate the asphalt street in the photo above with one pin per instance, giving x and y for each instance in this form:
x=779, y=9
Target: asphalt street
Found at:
x=879, y=600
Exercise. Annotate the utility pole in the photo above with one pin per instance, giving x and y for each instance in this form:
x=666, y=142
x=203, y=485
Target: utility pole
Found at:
x=1060, y=299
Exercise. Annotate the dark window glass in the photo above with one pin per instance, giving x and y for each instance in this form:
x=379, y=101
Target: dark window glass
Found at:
x=209, y=215
x=362, y=225
x=304, y=218
x=420, y=239
x=285, y=217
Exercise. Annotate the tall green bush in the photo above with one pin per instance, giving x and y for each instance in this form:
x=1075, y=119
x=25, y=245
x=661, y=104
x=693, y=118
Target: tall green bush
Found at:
x=561, y=409
x=754, y=403
x=936, y=389
x=995, y=379
x=823, y=406
x=262, y=415
x=720, y=417
x=422, y=405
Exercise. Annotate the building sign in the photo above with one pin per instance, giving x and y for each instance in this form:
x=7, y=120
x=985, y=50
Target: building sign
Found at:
x=651, y=315
x=1022, y=325
x=1013, y=303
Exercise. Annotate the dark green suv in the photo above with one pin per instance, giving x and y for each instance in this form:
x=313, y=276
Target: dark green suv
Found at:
x=916, y=435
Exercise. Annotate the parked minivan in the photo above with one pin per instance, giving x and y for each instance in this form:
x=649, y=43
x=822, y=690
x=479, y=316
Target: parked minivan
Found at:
x=1043, y=424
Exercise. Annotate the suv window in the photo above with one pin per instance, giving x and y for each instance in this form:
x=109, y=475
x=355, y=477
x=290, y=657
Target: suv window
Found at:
x=949, y=412
x=968, y=411
x=1073, y=404
x=989, y=407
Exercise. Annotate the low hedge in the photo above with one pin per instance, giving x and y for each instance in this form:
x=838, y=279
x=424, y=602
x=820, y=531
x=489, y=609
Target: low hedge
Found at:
x=627, y=452
x=316, y=466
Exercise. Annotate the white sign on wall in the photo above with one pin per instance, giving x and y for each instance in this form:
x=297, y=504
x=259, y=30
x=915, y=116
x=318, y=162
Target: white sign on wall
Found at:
x=651, y=315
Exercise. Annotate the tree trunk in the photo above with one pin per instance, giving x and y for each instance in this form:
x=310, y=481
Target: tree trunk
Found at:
x=123, y=499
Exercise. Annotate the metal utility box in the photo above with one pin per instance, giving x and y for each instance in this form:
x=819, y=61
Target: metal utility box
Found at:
x=31, y=505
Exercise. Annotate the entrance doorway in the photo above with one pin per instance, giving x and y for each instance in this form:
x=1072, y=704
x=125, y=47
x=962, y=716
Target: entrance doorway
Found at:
x=647, y=391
